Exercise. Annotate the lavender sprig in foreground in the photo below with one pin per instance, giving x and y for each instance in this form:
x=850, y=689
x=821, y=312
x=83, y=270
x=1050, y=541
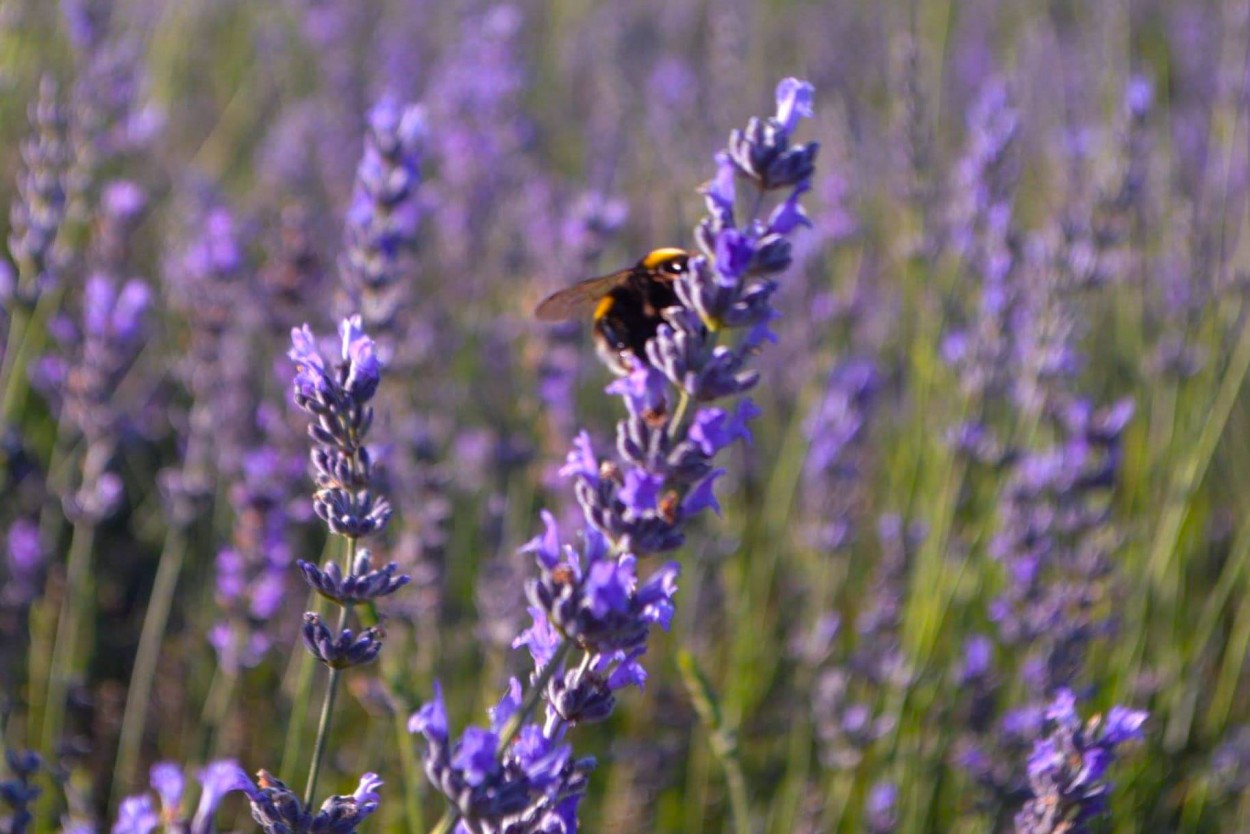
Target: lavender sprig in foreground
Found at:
x=337, y=398
x=1068, y=767
x=519, y=776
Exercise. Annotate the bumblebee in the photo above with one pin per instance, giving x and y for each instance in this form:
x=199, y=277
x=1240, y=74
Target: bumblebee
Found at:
x=626, y=306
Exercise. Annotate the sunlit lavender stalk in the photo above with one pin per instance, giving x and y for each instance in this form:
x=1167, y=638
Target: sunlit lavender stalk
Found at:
x=1068, y=767
x=337, y=399
x=35, y=221
x=203, y=281
x=112, y=332
x=382, y=220
x=634, y=505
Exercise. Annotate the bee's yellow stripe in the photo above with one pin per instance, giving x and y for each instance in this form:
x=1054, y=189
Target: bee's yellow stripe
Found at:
x=658, y=256
x=604, y=305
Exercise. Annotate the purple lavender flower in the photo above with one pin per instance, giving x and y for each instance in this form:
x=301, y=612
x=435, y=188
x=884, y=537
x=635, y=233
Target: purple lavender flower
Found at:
x=23, y=564
x=204, y=280
x=474, y=100
x=382, y=220
x=337, y=398
x=881, y=812
x=836, y=428
x=39, y=208
x=362, y=585
x=19, y=791
x=1068, y=767
x=252, y=572
x=636, y=504
x=1055, y=544
x=139, y=814
x=112, y=333
x=277, y=809
x=522, y=786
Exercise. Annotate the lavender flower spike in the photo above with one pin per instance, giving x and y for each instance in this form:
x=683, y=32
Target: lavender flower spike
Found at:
x=1068, y=767
x=338, y=401
x=382, y=220
x=599, y=598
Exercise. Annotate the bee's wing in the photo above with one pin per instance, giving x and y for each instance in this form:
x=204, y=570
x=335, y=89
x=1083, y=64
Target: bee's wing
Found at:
x=579, y=299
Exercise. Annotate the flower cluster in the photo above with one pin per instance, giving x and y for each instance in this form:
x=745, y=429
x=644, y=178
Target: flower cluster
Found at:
x=277, y=809
x=637, y=504
x=19, y=791
x=111, y=335
x=39, y=208
x=1068, y=767
x=668, y=475
x=836, y=428
x=252, y=571
x=531, y=783
x=1055, y=542
x=384, y=213
x=139, y=814
x=205, y=282
x=337, y=399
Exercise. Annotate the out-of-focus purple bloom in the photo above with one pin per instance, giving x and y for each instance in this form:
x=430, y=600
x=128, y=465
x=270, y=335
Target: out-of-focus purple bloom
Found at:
x=482, y=131
x=1229, y=767
x=112, y=333
x=836, y=428
x=24, y=562
x=19, y=792
x=205, y=280
x=39, y=207
x=382, y=220
x=139, y=815
x=880, y=809
x=1067, y=768
x=252, y=572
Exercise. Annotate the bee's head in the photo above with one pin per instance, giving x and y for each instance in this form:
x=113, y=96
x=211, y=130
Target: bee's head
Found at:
x=669, y=261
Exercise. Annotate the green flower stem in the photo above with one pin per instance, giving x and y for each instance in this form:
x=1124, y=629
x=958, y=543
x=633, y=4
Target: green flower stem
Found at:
x=75, y=603
x=152, y=636
x=446, y=822
x=533, y=696
x=327, y=706
x=27, y=337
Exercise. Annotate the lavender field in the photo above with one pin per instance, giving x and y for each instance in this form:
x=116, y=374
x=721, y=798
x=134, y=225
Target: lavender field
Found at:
x=910, y=497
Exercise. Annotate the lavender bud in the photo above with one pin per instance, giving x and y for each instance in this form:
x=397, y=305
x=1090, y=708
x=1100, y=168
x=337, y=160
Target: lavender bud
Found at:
x=343, y=651
x=362, y=586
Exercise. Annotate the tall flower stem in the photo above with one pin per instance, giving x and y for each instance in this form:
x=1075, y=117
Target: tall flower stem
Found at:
x=446, y=822
x=534, y=695
x=413, y=777
x=301, y=667
x=27, y=338
x=65, y=651
x=327, y=706
x=139, y=692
